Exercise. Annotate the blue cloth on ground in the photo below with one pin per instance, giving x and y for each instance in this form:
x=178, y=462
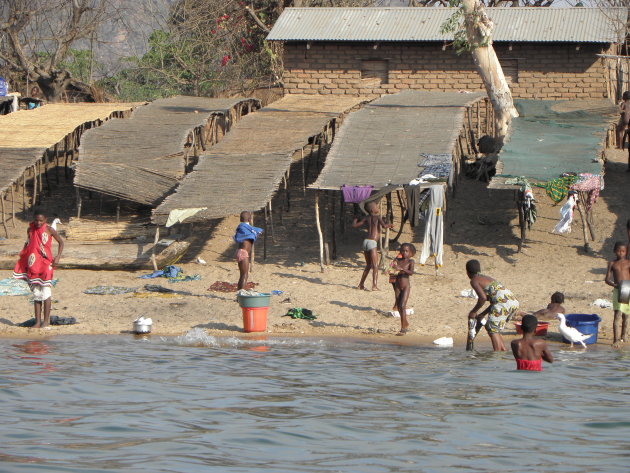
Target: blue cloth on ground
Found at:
x=17, y=287
x=276, y=292
x=168, y=272
x=14, y=287
x=245, y=231
x=194, y=277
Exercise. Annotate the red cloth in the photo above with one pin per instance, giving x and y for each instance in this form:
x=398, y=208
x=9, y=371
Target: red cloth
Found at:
x=529, y=365
x=35, y=262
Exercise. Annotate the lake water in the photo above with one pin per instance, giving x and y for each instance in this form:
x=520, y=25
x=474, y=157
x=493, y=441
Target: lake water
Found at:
x=200, y=404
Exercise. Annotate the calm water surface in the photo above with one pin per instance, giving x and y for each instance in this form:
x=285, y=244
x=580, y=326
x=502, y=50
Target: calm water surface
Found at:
x=200, y=404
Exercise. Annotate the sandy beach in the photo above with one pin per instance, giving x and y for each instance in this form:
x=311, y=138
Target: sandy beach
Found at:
x=479, y=224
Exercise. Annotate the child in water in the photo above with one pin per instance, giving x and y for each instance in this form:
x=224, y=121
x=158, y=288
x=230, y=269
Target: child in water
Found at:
x=529, y=351
x=553, y=308
x=503, y=305
x=401, y=268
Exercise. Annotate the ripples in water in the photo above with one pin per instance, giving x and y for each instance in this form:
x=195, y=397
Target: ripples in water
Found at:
x=260, y=404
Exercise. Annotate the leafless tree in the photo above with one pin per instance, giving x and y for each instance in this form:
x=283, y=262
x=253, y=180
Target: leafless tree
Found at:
x=36, y=36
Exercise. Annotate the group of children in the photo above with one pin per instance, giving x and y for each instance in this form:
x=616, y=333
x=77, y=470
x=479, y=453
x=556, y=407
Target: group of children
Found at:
x=36, y=265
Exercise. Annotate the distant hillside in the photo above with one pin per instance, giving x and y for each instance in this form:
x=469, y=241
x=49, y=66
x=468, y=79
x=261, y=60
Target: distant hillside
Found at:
x=126, y=34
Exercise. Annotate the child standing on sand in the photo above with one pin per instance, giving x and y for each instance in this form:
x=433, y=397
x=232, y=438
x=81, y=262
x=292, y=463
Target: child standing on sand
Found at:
x=403, y=267
x=245, y=236
x=529, y=351
x=619, y=271
x=375, y=225
x=624, y=119
x=36, y=265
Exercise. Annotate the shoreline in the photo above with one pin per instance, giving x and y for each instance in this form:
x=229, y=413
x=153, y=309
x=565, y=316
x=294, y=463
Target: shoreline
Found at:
x=420, y=341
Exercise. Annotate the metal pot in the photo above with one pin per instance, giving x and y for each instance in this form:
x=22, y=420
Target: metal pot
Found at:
x=141, y=328
x=624, y=292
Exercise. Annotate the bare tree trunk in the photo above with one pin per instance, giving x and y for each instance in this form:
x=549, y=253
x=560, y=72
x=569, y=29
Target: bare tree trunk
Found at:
x=479, y=30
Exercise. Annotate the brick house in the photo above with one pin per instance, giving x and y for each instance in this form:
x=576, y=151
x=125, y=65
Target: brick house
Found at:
x=546, y=53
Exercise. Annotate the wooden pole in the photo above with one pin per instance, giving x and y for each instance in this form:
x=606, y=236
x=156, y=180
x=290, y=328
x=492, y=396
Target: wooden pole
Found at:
x=24, y=192
x=34, y=186
x=287, y=201
x=303, y=173
x=477, y=107
x=342, y=220
x=265, y=235
x=79, y=202
x=12, y=205
x=587, y=247
x=333, y=224
x=319, y=232
x=4, y=223
x=521, y=219
x=117, y=210
x=273, y=235
x=155, y=240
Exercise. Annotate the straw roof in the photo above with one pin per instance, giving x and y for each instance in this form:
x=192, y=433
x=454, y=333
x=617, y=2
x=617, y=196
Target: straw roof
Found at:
x=140, y=158
x=244, y=169
x=384, y=142
x=25, y=135
x=43, y=127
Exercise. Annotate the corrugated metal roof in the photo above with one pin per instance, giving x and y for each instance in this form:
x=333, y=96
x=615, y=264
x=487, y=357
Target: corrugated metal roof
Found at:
x=579, y=25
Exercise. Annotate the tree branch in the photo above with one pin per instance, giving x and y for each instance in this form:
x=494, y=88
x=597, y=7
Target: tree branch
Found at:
x=257, y=20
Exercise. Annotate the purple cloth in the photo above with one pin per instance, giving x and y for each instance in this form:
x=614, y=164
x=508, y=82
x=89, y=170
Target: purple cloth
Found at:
x=356, y=194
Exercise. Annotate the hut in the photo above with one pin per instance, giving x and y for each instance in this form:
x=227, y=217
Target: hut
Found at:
x=546, y=53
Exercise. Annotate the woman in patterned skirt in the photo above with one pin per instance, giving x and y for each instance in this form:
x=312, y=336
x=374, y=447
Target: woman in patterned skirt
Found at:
x=503, y=305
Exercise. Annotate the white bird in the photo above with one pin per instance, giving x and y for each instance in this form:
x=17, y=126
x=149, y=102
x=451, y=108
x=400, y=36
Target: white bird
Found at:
x=54, y=224
x=570, y=333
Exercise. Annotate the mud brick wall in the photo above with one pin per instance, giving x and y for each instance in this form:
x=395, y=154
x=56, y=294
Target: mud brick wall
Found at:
x=550, y=71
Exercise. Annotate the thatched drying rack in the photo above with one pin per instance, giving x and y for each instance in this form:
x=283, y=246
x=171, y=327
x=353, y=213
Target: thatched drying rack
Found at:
x=155, y=148
x=32, y=141
x=383, y=145
x=245, y=170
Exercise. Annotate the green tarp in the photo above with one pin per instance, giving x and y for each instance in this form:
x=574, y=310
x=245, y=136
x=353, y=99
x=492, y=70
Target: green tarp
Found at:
x=553, y=137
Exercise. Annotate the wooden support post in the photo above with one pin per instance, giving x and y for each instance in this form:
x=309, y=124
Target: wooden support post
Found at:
x=155, y=241
x=333, y=225
x=587, y=247
x=40, y=179
x=24, y=192
x=4, y=223
x=34, y=186
x=48, y=191
x=477, y=107
x=117, y=210
x=12, y=205
x=273, y=235
x=265, y=234
x=521, y=219
x=591, y=223
x=287, y=197
x=303, y=172
x=79, y=202
x=319, y=232
x=319, y=149
x=342, y=219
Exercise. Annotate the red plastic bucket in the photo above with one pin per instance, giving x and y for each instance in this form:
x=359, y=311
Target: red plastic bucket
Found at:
x=541, y=328
x=255, y=319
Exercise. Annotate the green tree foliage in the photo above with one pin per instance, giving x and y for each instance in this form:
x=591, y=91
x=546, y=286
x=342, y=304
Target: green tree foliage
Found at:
x=211, y=47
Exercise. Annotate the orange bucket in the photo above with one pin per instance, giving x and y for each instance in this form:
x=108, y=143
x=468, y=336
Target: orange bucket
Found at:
x=255, y=319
